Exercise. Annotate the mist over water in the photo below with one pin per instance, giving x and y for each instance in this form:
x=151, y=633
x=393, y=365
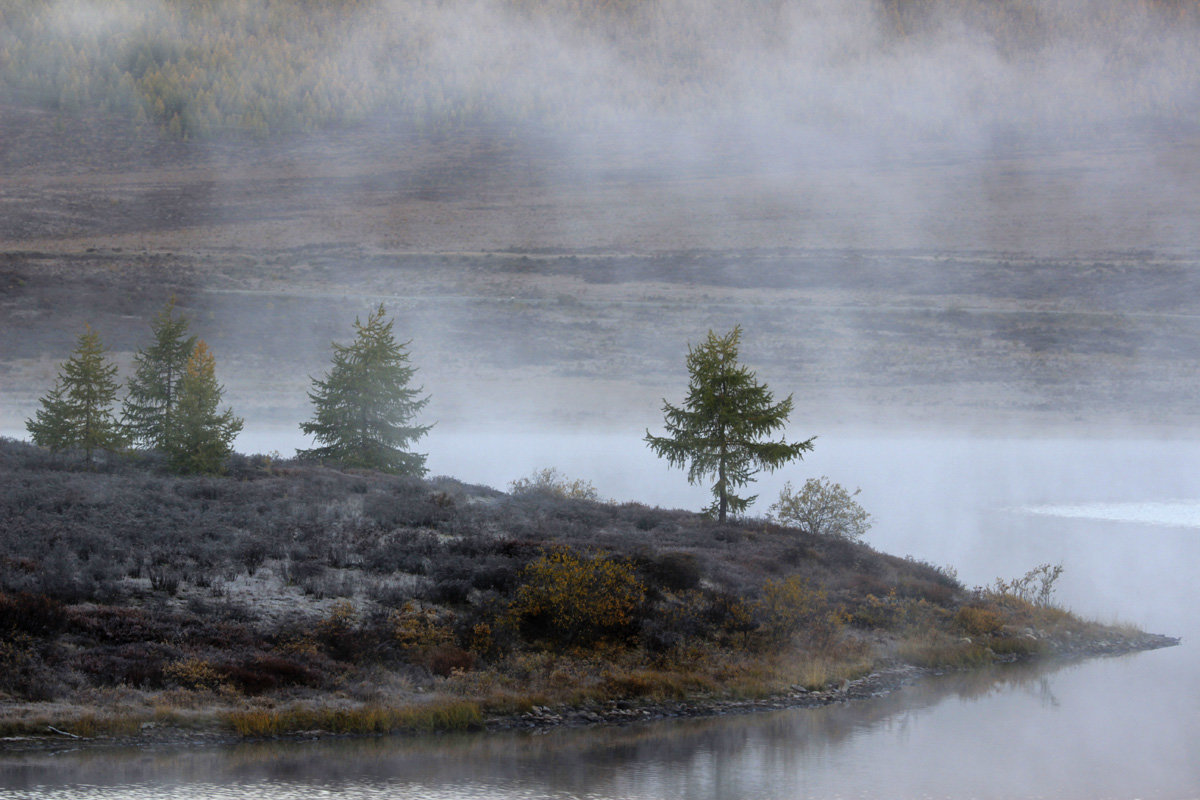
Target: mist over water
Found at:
x=867, y=186
x=857, y=116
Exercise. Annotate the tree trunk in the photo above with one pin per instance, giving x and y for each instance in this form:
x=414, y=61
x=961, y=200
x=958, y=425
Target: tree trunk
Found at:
x=721, y=483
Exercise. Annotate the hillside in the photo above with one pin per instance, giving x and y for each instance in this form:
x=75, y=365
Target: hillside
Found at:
x=286, y=597
x=260, y=69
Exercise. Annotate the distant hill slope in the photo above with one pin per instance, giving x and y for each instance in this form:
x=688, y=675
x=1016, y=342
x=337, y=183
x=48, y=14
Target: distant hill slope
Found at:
x=260, y=67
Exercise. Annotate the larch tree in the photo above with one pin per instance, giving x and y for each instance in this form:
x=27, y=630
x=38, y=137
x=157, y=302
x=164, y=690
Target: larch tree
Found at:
x=724, y=426
x=198, y=437
x=153, y=391
x=365, y=408
x=53, y=425
x=77, y=412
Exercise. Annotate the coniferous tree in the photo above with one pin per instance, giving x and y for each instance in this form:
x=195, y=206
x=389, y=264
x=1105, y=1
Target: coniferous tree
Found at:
x=52, y=425
x=77, y=411
x=720, y=430
x=198, y=438
x=153, y=391
x=365, y=407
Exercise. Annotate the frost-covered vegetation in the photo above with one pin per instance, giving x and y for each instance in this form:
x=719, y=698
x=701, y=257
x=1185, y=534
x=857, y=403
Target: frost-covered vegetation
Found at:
x=293, y=586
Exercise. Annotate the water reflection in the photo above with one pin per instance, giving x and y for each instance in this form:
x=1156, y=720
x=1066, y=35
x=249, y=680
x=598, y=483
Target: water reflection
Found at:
x=1019, y=731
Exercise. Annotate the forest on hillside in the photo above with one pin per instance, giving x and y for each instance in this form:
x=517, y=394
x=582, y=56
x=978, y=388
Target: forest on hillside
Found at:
x=204, y=68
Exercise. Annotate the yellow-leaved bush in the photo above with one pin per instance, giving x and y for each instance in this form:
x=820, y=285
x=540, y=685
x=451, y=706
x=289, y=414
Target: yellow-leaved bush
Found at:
x=794, y=606
x=567, y=598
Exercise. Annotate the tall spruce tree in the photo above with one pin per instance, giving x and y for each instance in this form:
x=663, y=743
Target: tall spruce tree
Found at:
x=153, y=391
x=365, y=408
x=197, y=437
x=77, y=414
x=723, y=426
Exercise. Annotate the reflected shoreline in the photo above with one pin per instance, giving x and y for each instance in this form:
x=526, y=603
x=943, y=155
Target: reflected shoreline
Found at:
x=901, y=681
x=496, y=761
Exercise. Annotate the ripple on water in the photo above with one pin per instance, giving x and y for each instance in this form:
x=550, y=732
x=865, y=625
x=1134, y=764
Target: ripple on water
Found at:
x=1175, y=514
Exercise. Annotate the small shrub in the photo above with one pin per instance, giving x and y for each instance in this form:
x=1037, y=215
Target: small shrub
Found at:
x=495, y=573
x=935, y=592
x=674, y=571
x=572, y=599
x=448, y=591
x=793, y=605
x=252, y=554
x=978, y=621
x=23, y=671
x=138, y=664
x=551, y=482
x=873, y=612
x=163, y=578
x=730, y=616
x=337, y=634
x=416, y=628
x=193, y=673
x=822, y=508
x=404, y=551
x=300, y=570
x=35, y=614
x=676, y=621
x=263, y=673
x=447, y=658
x=1036, y=586
x=116, y=624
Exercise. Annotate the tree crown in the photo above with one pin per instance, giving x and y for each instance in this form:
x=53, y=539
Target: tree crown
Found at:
x=76, y=413
x=153, y=391
x=198, y=437
x=723, y=427
x=365, y=408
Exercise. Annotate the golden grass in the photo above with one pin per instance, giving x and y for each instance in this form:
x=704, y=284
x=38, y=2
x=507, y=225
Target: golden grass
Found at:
x=936, y=650
x=579, y=680
x=84, y=726
x=458, y=715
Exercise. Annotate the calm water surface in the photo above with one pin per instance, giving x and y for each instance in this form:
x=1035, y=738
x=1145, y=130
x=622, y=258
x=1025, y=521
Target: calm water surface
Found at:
x=1122, y=516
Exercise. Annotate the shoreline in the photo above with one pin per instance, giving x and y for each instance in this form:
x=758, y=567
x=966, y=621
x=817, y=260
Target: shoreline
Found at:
x=401, y=605
x=880, y=681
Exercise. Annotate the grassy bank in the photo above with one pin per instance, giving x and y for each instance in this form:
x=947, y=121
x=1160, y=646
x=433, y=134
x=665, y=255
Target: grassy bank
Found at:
x=287, y=598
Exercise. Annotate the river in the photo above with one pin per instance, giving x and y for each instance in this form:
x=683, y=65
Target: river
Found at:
x=1121, y=515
